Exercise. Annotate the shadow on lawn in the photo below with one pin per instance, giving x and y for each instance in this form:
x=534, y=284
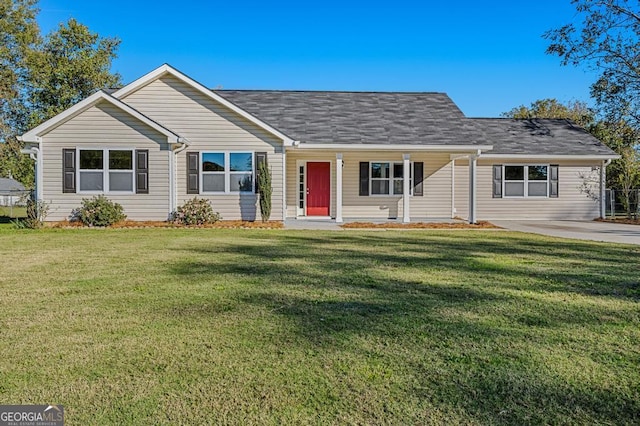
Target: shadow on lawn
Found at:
x=337, y=286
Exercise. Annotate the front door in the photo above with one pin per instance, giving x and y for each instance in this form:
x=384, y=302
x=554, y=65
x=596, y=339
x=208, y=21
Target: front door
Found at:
x=318, y=188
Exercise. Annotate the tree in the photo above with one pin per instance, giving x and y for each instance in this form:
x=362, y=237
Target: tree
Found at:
x=576, y=111
x=42, y=76
x=607, y=40
x=69, y=65
x=18, y=35
x=628, y=178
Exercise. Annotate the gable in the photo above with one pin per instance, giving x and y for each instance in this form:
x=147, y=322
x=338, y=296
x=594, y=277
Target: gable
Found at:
x=100, y=97
x=193, y=114
x=166, y=70
x=105, y=124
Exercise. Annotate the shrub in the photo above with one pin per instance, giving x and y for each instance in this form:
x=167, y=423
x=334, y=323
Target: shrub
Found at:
x=264, y=186
x=99, y=211
x=37, y=211
x=196, y=211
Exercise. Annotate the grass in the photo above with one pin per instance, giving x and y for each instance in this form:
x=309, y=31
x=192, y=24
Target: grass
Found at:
x=7, y=214
x=197, y=326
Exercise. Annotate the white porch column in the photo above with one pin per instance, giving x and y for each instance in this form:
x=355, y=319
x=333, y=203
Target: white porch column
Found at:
x=473, y=161
x=603, y=188
x=406, y=188
x=339, y=165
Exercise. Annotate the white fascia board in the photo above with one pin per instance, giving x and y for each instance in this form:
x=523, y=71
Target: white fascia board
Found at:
x=168, y=69
x=35, y=135
x=549, y=157
x=469, y=149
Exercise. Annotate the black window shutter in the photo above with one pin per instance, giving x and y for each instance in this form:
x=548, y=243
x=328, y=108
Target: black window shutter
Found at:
x=261, y=157
x=497, y=181
x=364, y=179
x=418, y=177
x=69, y=170
x=193, y=180
x=553, y=181
x=142, y=171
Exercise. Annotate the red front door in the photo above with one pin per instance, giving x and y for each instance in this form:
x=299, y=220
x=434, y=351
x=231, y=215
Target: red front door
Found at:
x=318, y=188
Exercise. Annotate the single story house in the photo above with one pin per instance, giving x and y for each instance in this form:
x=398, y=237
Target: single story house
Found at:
x=165, y=138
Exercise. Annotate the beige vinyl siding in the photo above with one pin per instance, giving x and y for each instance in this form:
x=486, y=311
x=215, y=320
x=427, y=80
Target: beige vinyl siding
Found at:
x=571, y=203
x=105, y=126
x=210, y=127
x=436, y=202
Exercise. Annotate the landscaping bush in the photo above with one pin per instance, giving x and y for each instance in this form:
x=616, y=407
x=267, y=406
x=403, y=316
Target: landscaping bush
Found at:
x=37, y=211
x=196, y=211
x=265, y=188
x=99, y=211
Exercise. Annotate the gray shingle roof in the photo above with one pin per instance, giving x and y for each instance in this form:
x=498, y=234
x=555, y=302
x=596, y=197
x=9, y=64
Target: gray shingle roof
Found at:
x=10, y=185
x=360, y=117
x=407, y=118
x=539, y=136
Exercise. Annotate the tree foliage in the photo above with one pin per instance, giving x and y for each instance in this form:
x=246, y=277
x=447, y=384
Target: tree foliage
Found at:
x=606, y=38
x=40, y=76
x=18, y=35
x=575, y=111
x=69, y=65
x=266, y=189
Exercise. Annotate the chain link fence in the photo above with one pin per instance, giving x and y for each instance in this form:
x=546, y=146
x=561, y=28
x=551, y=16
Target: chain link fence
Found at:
x=617, y=204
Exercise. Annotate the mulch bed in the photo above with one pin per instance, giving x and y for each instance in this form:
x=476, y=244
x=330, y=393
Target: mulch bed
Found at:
x=419, y=225
x=224, y=224
x=623, y=220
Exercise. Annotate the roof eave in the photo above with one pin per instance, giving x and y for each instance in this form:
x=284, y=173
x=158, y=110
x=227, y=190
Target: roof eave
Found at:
x=491, y=156
x=394, y=147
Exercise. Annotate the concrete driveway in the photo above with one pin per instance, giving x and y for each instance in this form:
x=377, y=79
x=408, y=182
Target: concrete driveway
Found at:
x=580, y=230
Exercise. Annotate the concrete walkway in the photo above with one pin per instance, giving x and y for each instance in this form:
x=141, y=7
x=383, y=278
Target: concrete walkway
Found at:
x=312, y=224
x=579, y=230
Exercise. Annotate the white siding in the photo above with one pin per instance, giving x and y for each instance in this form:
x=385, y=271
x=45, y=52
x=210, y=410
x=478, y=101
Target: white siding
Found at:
x=105, y=126
x=571, y=204
x=436, y=202
x=210, y=127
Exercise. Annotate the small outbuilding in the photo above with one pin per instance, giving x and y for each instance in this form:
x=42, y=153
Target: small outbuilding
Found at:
x=12, y=192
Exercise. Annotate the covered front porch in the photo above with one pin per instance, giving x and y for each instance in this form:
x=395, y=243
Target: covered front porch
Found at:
x=374, y=184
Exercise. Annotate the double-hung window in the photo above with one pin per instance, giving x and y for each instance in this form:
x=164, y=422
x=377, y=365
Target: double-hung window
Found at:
x=105, y=170
x=227, y=172
x=386, y=178
x=526, y=181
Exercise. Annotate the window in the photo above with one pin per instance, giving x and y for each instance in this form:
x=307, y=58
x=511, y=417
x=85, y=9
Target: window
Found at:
x=526, y=181
x=227, y=171
x=120, y=171
x=387, y=178
x=104, y=170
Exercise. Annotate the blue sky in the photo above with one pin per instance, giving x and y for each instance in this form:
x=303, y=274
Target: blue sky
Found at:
x=487, y=55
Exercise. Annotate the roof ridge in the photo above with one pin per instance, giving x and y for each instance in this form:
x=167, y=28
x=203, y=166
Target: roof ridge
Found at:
x=331, y=91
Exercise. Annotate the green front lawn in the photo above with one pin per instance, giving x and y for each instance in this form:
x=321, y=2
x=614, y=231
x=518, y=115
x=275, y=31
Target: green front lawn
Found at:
x=187, y=326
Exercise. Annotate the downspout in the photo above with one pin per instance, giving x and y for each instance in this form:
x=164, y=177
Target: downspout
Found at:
x=603, y=188
x=173, y=181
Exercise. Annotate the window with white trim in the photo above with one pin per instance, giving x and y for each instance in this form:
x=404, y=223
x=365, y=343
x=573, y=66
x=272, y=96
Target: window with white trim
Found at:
x=526, y=181
x=386, y=178
x=227, y=171
x=105, y=170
